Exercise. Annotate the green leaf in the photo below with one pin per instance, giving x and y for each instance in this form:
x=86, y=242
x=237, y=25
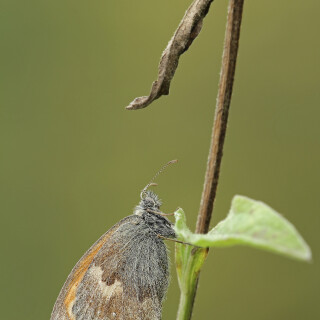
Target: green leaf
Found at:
x=250, y=223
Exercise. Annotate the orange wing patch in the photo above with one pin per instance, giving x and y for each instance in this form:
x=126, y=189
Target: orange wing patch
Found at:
x=78, y=275
x=79, y=272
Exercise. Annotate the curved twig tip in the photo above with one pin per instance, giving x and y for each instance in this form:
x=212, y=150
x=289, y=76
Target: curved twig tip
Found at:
x=187, y=31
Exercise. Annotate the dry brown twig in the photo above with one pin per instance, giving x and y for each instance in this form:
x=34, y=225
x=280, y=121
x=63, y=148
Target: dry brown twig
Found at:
x=187, y=31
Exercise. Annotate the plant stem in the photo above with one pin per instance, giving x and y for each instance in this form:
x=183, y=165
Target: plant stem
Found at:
x=186, y=302
x=188, y=278
x=229, y=59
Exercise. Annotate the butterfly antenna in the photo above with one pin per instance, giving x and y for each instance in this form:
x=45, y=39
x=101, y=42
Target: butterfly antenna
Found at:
x=151, y=183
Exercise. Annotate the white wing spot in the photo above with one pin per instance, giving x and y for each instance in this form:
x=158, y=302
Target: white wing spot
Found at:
x=107, y=291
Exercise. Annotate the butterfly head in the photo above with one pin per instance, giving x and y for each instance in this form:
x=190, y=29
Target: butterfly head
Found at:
x=148, y=208
x=149, y=202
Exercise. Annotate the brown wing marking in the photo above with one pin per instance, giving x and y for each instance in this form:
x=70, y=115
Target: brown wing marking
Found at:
x=79, y=272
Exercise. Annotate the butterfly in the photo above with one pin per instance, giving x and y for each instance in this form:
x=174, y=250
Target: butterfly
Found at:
x=125, y=274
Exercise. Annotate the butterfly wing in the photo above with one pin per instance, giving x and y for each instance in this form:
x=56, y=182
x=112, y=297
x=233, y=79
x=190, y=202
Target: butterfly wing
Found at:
x=123, y=276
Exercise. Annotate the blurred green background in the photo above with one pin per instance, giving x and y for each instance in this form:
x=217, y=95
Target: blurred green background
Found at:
x=73, y=161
